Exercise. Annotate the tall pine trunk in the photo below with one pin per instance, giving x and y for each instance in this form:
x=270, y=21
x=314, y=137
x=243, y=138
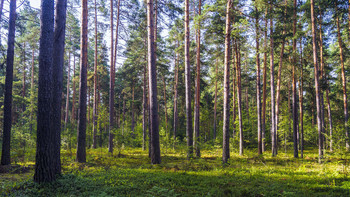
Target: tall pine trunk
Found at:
x=216, y=98
x=294, y=85
x=301, y=102
x=94, y=115
x=197, y=99
x=189, y=130
x=81, y=147
x=152, y=72
x=111, y=85
x=44, y=159
x=272, y=85
x=226, y=121
x=317, y=89
x=239, y=95
x=7, y=124
x=264, y=86
x=258, y=99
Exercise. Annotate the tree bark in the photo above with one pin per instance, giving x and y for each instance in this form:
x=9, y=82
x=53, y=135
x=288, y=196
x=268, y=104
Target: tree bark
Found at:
x=155, y=148
x=239, y=95
x=81, y=147
x=111, y=85
x=57, y=79
x=44, y=165
x=67, y=94
x=189, y=130
x=226, y=121
x=316, y=70
x=144, y=107
x=272, y=84
x=7, y=124
x=95, y=115
x=294, y=86
x=301, y=102
x=340, y=42
x=264, y=86
x=258, y=99
x=216, y=97
x=175, y=94
x=234, y=63
x=197, y=101
x=74, y=94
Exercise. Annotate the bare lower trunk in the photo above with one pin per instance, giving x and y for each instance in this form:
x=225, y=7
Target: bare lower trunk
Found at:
x=111, y=86
x=272, y=85
x=95, y=115
x=264, y=87
x=189, y=130
x=226, y=121
x=294, y=86
x=258, y=99
x=216, y=98
x=239, y=95
x=301, y=127
x=197, y=99
x=316, y=72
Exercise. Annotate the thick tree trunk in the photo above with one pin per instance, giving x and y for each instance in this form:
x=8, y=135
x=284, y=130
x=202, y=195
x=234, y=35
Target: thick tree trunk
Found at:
x=95, y=115
x=346, y=117
x=264, y=86
x=81, y=148
x=111, y=85
x=239, y=95
x=197, y=99
x=155, y=148
x=258, y=99
x=57, y=79
x=226, y=121
x=44, y=165
x=316, y=72
x=216, y=97
x=294, y=86
x=189, y=130
x=7, y=124
x=272, y=84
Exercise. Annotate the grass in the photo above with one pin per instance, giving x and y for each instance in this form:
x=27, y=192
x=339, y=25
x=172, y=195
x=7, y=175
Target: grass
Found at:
x=131, y=174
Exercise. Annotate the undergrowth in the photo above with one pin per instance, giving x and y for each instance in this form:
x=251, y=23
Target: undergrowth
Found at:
x=131, y=174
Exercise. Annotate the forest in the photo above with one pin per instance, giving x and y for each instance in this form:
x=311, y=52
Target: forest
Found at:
x=174, y=98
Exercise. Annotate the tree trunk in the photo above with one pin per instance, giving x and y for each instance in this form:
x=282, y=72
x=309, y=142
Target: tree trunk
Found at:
x=189, y=130
x=216, y=97
x=264, y=87
x=279, y=78
x=44, y=165
x=301, y=128
x=67, y=94
x=272, y=84
x=144, y=108
x=24, y=78
x=258, y=99
x=197, y=100
x=165, y=106
x=74, y=94
x=175, y=94
x=81, y=148
x=234, y=63
x=294, y=86
x=111, y=86
x=226, y=121
x=239, y=95
x=314, y=46
x=340, y=42
x=7, y=124
x=32, y=95
x=95, y=115
x=155, y=148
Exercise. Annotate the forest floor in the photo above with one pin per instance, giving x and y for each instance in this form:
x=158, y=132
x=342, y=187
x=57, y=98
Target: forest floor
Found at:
x=131, y=174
